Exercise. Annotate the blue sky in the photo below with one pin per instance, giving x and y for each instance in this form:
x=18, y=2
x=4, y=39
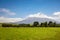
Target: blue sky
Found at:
x=22, y=8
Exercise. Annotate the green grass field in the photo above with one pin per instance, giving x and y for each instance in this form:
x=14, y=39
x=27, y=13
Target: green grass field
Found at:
x=28, y=33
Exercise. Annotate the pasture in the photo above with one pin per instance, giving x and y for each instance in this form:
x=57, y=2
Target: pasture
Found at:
x=30, y=33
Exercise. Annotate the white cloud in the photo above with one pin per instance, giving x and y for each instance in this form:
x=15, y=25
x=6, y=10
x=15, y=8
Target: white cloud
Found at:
x=40, y=15
x=7, y=11
x=55, y=16
x=6, y=20
x=56, y=13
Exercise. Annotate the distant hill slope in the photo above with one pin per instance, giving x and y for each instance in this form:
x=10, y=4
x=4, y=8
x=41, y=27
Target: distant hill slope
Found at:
x=32, y=19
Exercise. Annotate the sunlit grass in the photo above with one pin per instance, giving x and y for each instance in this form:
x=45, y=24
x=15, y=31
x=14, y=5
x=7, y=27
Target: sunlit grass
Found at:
x=29, y=33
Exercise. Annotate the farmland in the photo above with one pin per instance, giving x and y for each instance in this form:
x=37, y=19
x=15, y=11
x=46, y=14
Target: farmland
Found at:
x=30, y=33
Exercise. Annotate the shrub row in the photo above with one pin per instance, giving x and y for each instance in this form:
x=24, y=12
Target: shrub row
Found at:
x=35, y=24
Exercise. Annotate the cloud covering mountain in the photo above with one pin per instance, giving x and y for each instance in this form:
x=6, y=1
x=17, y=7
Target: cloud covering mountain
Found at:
x=54, y=16
x=40, y=17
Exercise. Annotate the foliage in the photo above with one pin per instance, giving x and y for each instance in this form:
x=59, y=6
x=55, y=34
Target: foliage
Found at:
x=35, y=24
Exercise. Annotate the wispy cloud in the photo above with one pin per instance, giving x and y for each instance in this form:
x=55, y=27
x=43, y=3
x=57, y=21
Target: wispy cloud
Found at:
x=40, y=15
x=6, y=11
x=6, y=20
x=56, y=13
x=55, y=16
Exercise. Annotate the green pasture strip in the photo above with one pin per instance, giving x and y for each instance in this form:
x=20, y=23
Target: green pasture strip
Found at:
x=29, y=33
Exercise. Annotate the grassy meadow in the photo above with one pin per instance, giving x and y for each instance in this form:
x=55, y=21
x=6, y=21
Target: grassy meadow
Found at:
x=30, y=33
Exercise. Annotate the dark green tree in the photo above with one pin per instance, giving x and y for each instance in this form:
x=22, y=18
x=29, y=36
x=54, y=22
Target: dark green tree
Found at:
x=50, y=24
x=45, y=24
x=41, y=24
x=54, y=24
x=35, y=23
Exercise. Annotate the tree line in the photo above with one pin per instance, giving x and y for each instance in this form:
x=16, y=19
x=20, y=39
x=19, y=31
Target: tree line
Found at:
x=35, y=24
